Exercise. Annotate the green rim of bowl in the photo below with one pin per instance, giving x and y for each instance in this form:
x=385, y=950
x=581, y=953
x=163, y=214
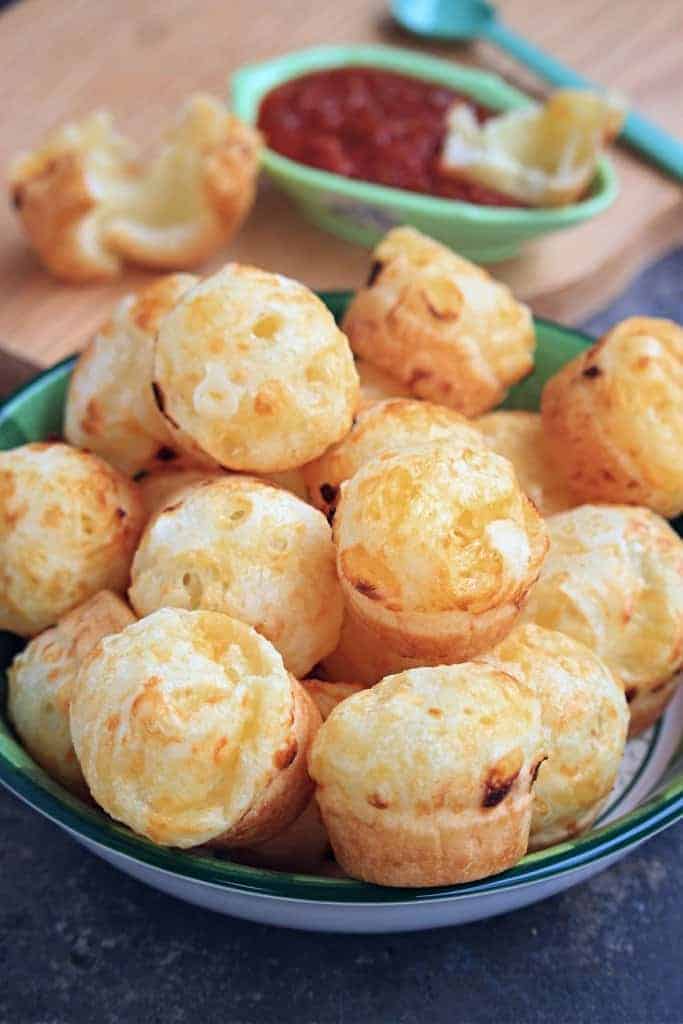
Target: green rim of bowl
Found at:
x=250, y=84
x=23, y=777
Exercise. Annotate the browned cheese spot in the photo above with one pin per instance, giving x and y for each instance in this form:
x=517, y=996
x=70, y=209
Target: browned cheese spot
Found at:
x=375, y=800
x=591, y=371
x=630, y=693
x=501, y=778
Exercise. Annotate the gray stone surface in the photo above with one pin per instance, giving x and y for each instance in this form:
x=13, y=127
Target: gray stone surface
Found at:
x=80, y=942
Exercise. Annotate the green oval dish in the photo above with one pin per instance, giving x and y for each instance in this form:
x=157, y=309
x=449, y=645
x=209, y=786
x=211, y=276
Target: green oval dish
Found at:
x=362, y=212
x=649, y=798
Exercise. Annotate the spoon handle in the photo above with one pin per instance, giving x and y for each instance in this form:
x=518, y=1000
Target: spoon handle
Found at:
x=638, y=131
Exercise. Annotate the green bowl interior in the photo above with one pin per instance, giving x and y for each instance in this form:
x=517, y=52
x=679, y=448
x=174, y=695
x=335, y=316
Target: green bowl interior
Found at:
x=34, y=413
x=250, y=84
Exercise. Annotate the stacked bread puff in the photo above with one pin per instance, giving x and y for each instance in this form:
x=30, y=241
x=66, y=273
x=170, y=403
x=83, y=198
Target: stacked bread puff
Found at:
x=360, y=623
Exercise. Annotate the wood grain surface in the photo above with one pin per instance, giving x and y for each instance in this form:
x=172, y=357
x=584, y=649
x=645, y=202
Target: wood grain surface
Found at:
x=140, y=58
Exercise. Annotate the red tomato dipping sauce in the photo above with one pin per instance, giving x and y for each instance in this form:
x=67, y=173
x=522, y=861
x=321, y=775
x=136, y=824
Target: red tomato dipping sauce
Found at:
x=375, y=125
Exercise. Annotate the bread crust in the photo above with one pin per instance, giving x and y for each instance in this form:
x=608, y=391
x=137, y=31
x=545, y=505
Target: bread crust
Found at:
x=110, y=407
x=440, y=324
x=251, y=369
x=425, y=779
x=302, y=845
x=253, y=551
x=585, y=720
x=41, y=679
x=291, y=787
x=436, y=550
x=519, y=436
x=69, y=524
x=613, y=580
x=189, y=729
x=613, y=417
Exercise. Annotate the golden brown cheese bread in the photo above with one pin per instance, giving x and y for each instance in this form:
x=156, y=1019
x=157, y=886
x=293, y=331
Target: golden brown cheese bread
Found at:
x=437, y=548
x=69, y=524
x=519, y=436
x=585, y=720
x=252, y=370
x=41, y=680
x=613, y=580
x=88, y=205
x=542, y=154
x=613, y=417
x=426, y=778
x=241, y=546
x=303, y=844
x=189, y=729
x=379, y=427
x=440, y=324
x=110, y=407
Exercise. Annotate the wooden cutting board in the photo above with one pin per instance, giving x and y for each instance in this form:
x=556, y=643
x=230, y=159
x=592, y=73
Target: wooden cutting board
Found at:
x=140, y=58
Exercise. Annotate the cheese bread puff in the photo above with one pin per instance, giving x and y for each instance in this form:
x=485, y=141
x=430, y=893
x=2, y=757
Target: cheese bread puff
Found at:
x=614, y=581
x=426, y=778
x=189, y=729
x=41, y=679
x=241, y=546
x=380, y=427
x=375, y=384
x=251, y=369
x=303, y=844
x=363, y=654
x=613, y=417
x=436, y=550
x=519, y=437
x=69, y=524
x=441, y=324
x=110, y=407
x=585, y=719
x=88, y=204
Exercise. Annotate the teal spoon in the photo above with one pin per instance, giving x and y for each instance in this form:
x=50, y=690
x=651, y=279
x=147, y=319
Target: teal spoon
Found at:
x=468, y=19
